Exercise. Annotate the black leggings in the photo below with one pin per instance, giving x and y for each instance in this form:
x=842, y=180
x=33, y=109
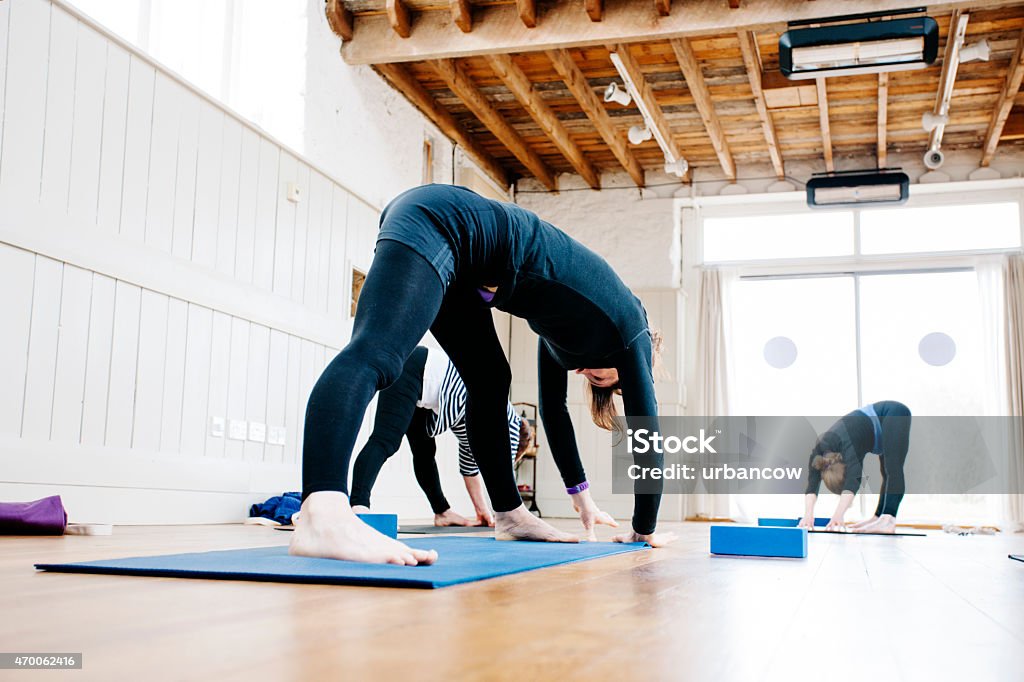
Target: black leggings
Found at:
x=398, y=416
x=401, y=299
x=895, y=420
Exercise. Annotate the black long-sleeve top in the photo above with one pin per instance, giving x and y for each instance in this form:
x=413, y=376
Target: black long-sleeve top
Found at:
x=853, y=437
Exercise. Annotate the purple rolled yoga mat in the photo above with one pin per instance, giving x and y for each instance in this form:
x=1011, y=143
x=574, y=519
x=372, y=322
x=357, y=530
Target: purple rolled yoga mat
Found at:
x=41, y=517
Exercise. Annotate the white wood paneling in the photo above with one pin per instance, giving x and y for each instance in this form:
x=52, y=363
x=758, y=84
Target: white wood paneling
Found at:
x=25, y=99
x=320, y=204
x=294, y=402
x=277, y=383
x=42, y=349
x=256, y=387
x=150, y=377
x=112, y=142
x=341, y=256
x=17, y=268
x=72, y=347
x=185, y=179
x=60, y=98
x=168, y=102
x=197, y=375
x=284, y=235
x=303, y=211
x=238, y=366
x=87, y=129
x=138, y=133
x=98, y=361
x=229, y=212
x=124, y=356
x=244, y=243
x=220, y=362
x=5, y=16
x=267, y=196
x=174, y=376
x=208, y=186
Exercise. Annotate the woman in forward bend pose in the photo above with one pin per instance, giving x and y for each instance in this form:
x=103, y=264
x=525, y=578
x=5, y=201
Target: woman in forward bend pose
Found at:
x=444, y=257
x=426, y=400
x=882, y=428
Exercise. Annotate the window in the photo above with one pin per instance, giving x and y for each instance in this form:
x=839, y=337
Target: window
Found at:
x=940, y=228
x=789, y=235
x=737, y=236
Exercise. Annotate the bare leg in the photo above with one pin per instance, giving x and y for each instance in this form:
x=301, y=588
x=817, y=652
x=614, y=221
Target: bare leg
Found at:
x=520, y=524
x=330, y=530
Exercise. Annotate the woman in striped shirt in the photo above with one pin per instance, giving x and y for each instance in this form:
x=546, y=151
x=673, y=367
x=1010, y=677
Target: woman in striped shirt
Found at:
x=428, y=399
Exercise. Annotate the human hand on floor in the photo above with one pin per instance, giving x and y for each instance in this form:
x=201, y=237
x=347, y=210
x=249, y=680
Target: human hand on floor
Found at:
x=806, y=522
x=590, y=514
x=450, y=518
x=652, y=539
x=836, y=523
x=484, y=517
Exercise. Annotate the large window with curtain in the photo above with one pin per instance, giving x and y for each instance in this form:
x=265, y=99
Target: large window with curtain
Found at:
x=830, y=310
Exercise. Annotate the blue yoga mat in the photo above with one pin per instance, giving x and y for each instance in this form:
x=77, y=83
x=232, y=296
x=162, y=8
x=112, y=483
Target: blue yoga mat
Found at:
x=461, y=560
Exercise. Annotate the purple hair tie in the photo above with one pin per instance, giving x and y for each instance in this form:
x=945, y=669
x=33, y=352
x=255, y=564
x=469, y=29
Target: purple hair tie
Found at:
x=577, y=488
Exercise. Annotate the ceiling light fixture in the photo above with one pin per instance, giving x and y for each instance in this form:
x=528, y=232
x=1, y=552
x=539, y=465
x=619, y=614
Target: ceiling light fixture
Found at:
x=634, y=92
x=613, y=93
x=870, y=46
x=639, y=134
x=976, y=52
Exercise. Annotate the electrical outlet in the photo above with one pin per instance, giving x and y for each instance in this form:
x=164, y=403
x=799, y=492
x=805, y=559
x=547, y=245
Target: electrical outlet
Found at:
x=294, y=193
x=217, y=427
x=237, y=429
x=257, y=432
x=277, y=435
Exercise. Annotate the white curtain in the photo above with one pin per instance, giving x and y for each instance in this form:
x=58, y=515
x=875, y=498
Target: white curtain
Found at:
x=1013, y=335
x=712, y=398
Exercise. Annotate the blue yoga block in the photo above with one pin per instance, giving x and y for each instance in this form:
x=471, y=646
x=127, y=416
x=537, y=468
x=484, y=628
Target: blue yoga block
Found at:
x=818, y=521
x=383, y=523
x=759, y=541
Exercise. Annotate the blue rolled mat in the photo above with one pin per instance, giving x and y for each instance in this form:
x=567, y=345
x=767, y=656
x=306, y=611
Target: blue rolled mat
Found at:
x=767, y=541
x=460, y=560
x=818, y=521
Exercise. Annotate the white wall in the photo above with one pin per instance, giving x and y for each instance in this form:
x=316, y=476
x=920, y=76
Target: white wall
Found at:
x=156, y=276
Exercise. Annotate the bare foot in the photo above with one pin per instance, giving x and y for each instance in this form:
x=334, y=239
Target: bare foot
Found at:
x=450, y=518
x=329, y=530
x=885, y=523
x=360, y=509
x=653, y=539
x=519, y=524
x=865, y=522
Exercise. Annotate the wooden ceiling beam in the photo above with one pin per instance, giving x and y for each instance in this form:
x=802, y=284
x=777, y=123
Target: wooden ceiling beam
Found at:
x=404, y=82
x=593, y=107
x=664, y=7
x=462, y=14
x=702, y=98
x=519, y=85
x=883, y=119
x=398, y=17
x=459, y=83
x=595, y=9
x=1014, y=76
x=826, y=130
x=752, y=62
x=527, y=12
x=339, y=19
x=499, y=29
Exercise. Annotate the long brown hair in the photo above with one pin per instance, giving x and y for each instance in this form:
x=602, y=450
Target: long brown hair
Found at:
x=602, y=398
x=833, y=470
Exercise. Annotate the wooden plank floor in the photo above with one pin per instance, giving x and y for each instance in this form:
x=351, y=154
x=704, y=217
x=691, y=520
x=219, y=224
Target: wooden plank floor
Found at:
x=934, y=608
